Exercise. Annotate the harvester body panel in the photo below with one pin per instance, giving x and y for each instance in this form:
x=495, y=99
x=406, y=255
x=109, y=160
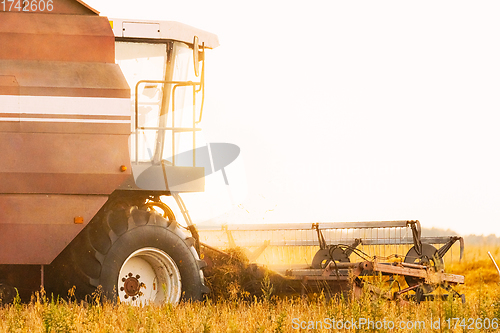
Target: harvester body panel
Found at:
x=64, y=128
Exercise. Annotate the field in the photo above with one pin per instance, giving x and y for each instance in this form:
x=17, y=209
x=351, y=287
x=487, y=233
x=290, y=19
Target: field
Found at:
x=267, y=313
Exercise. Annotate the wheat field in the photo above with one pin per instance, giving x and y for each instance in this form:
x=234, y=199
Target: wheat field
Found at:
x=268, y=313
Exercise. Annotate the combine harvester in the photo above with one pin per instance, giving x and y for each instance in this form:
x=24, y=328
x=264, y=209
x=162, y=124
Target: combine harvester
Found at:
x=98, y=121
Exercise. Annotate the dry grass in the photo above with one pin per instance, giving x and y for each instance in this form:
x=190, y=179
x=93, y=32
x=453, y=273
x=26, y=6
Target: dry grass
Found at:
x=232, y=277
x=238, y=313
x=477, y=267
x=227, y=275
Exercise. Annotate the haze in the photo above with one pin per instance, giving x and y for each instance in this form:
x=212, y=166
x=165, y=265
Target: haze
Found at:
x=353, y=111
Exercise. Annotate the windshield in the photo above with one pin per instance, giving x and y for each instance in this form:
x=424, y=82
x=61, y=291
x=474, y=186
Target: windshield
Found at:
x=159, y=105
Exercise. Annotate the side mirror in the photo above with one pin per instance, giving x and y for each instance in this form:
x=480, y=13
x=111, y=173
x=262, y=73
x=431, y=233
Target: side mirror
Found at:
x=196, y=58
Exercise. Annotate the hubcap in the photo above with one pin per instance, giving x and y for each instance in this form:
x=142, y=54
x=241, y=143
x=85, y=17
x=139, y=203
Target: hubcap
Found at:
x=149, y=275
x=132, y=286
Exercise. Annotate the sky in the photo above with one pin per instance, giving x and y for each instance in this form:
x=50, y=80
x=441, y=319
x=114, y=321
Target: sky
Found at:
x=352, y=110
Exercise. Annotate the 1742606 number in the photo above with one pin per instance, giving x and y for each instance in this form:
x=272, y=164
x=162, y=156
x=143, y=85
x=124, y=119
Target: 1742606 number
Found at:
x=473, y=324
x=27, y=5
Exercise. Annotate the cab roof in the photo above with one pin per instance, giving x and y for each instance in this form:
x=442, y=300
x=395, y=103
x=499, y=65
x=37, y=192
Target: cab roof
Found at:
x=125, y=29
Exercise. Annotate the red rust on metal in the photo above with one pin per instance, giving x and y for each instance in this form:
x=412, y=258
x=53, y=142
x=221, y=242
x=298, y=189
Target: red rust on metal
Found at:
x=419, y=273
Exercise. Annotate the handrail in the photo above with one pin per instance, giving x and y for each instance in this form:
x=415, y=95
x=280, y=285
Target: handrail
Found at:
x=174, y=129
x=202, y=86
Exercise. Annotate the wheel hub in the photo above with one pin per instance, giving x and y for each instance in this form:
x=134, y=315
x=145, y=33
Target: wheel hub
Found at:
x=132, y=286
x=324, y=256
x=429, y=258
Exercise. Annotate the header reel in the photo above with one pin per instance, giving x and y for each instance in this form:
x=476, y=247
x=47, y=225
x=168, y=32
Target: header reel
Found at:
x=390, y=248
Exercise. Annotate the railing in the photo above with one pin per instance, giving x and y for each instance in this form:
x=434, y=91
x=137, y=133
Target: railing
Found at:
x=174, y=129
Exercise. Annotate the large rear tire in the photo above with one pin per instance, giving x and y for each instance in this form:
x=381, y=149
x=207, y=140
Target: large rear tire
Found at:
x=133, y=255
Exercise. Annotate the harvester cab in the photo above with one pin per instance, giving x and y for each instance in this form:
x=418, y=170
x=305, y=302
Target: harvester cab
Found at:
x=161, y=63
